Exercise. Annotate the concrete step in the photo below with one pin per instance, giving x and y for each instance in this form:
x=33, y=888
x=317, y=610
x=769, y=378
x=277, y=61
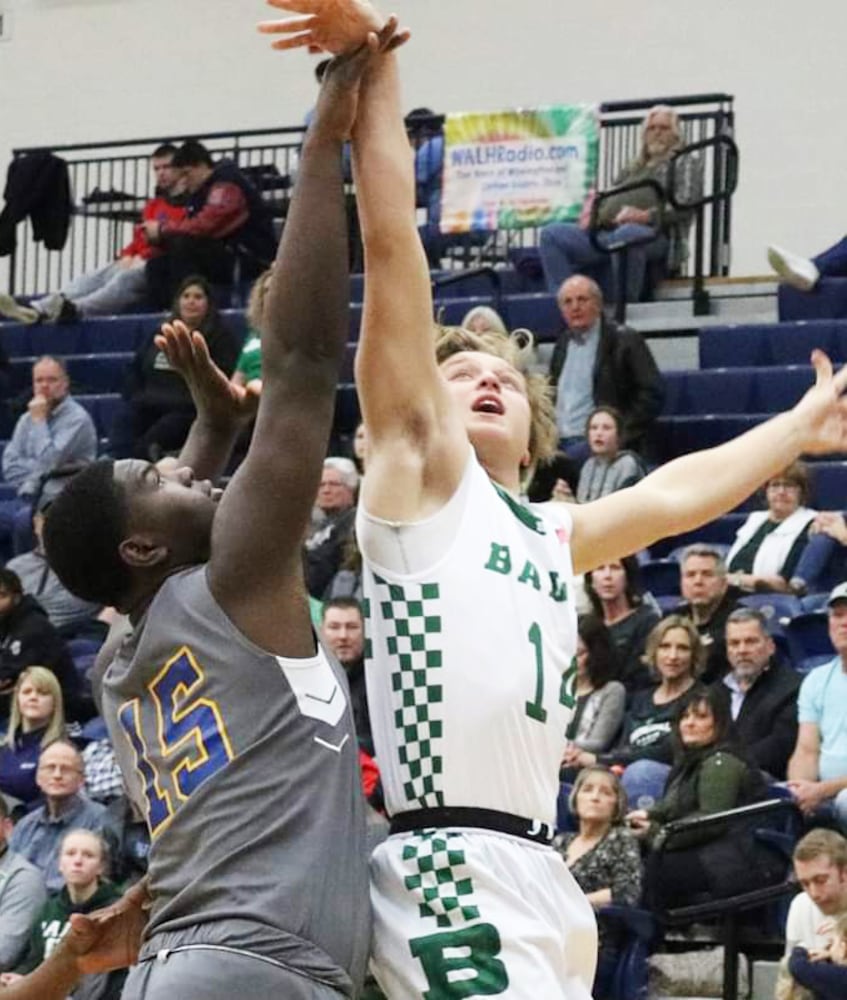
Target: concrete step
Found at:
x=677, y=315
x=725, y=288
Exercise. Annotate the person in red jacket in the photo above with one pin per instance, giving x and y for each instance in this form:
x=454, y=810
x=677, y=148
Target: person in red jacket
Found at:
x=122, y=283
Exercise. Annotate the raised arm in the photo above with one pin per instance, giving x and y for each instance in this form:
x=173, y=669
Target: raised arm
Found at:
x=255, y=569
x=697, y=488
x=414, y=435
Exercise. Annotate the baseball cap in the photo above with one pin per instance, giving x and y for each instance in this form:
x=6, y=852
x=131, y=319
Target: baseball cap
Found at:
x=839, y=593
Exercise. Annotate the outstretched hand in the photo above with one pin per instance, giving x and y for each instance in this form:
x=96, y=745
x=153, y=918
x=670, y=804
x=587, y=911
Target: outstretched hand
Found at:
x=218, y=401
x=109, y=938
x=333, y=26
x=823, y=410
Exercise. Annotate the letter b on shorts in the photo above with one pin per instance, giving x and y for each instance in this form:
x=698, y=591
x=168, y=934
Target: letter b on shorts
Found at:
x=462, y=963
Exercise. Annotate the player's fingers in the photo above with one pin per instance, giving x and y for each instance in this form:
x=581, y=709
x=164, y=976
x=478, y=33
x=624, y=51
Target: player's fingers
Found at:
x=840, y=380
x=823, y=366
x=287, y=27
x=295, y=6
x=399, y=39
x=200, y=348
x=295, y=42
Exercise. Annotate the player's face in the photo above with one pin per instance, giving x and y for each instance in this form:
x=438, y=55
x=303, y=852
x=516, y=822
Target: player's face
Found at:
x=344, y=633
x=673, y=654
x=697, y=725
x=838, y=626
x=700, y=581
x=491, y=397
x=824, y=882
x=81, y=860
x=59, y=773
x=609, y=581
x=596, y=798
x=172, y=506
x=603, y=435
x=35, y=705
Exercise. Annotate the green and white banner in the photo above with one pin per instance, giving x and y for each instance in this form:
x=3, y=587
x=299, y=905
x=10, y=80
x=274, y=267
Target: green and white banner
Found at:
x=510, y=169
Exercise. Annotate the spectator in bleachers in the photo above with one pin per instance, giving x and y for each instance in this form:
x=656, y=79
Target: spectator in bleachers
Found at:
x=566, y=248
x=83, y=863
x=609, y=467
x=36, y=720
x=710, y=774
x=28, y=639
x=616, y=597
x=336, y=518
x=483, y=318
x=605, y=860
x=68, y=614
x=38, y=835
x=817, y=771
x=22, y=894
x=55, y=431
x=824, y=973
x=708, y=602
x=159, y=409
x=343, y=631
x=597, y=363
x=675, y=655
x=600, y=697
x=769, y=544
x=760, y=693
x=249, y=364
x=226, y=220
x=121, y=284
x=360, y=448
x=803, y=272
x=820, y=866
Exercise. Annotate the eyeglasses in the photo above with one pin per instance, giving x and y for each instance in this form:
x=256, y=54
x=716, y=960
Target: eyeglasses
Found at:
x=60, y=769
x=782, y=484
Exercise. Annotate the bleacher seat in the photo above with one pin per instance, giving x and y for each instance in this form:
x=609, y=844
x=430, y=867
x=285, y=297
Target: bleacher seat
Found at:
x=88, y=373
x=827, y=300
x=660, y=577
x=777, y=609
x=808, y=635
x=768, y=344
x=829, y=485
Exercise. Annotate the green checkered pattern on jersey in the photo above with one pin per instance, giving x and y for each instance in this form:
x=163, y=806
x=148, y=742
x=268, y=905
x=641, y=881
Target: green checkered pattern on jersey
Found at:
x=441, y=886
x=411, y=623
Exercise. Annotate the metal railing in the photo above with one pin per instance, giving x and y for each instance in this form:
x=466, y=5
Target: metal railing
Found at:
x=110, y=182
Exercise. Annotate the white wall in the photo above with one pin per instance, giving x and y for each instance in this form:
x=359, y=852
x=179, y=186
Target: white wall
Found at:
x=88, y=70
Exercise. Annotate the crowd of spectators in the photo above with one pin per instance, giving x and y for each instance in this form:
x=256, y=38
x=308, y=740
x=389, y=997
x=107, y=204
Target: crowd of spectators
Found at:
x=680, y=711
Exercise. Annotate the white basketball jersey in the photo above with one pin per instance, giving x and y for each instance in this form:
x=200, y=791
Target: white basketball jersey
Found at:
x=471, y=636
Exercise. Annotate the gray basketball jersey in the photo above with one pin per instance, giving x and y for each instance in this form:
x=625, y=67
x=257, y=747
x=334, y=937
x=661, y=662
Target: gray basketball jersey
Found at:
x=246, y=766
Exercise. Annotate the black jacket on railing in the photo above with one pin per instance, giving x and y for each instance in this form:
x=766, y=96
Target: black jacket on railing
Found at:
x=37, y=186
x=625, y=376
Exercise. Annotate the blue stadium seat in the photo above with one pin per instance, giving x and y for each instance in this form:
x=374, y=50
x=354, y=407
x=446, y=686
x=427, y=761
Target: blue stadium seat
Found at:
x=720, y=391
x=347, y=413
x=731, y=347
x=777, y=609
x=828, y=300
x=829, y=485
x=536, y=312
x=808, y=635
x=779, y=388
x=660, y=577
x=681, y=435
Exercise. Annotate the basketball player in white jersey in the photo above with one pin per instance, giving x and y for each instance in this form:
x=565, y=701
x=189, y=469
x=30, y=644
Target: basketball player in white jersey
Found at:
x=471, y=625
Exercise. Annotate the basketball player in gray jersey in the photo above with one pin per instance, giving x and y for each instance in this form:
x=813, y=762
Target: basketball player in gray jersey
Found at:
x=232, y=727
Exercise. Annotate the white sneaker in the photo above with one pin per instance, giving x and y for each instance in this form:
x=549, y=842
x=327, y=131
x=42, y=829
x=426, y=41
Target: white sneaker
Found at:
x=13, y=310
x=794, y=270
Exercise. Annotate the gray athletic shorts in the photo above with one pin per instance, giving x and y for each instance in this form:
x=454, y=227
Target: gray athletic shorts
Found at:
x=211, y=973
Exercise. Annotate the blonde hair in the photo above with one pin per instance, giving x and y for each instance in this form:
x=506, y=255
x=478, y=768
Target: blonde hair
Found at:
x=45, y=682
x=100, y=840
x=256, y=303
x=698, y=650
x=516, y=350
